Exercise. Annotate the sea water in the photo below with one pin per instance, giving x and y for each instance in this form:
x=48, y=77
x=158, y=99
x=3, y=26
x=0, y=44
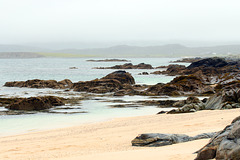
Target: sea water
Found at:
x=94, y=110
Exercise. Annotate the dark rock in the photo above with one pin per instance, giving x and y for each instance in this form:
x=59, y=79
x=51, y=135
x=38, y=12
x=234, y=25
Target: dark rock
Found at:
x=36, y=103
x=73, y=68
x=182, y=85
x=122, y=76
x=187, y=60
x=98, y=86
x=36, y=83
x=161, y=112
x=158, y=139
x=159, y=103
x=113, y=82
x=224, y=144
x=209, y=62
x=144, y=73
x=128, y=66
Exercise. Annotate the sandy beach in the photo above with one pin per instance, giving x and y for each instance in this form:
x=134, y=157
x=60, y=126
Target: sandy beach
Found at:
x=111, y=140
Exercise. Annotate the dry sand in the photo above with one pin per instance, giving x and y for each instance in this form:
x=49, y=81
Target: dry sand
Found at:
x=111, y=140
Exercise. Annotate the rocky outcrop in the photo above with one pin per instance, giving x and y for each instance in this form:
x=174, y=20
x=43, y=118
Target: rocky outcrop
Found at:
x=226, y=99
x=172, y=70
x=122, y=76
x=182, y=85
x=187, y=60
x=36, y=103
x=210, y=67
x=209, y=62
x=128, y=66
x=113, y=82
x=37, y=83
x=158, y=139
x=223, y=145
x=98, y=86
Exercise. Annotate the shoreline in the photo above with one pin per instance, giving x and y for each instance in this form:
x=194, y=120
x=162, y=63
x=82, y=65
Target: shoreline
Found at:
x=113, y=137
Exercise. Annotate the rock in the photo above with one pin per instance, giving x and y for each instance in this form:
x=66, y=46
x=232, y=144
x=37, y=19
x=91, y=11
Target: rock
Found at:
x=158, y=139
x=98, y=86
x=187, y=108
x=224, y=144
x=224, y=99
x=36, y=103
x=214, y=70
x=122, y=76
x=209, y=62
x=144, y=73
x=36, y=83
x=113, y=82
x=182, y=85
x=161, y=112
x=187, y=60
x=189, y=100
x=159, y=103
x=128, y=66
x=73, y=68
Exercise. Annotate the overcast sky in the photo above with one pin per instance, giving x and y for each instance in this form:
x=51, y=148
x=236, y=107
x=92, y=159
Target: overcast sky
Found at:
x=24, y=21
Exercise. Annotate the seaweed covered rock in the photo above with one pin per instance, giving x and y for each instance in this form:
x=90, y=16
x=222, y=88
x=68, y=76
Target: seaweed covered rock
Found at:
x=122, y=76
x=182, y=85
x=36, y=103
x=37, y=83
x=113, y=82
x=223, y=145
x=98, y=86
x=209, y=62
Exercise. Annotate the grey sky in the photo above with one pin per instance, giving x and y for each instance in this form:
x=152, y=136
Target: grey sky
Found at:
x=24, y=21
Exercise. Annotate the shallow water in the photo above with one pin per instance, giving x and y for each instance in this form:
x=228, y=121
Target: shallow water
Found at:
x=97, y=109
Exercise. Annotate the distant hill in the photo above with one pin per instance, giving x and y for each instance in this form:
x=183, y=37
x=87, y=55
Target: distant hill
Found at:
x=20, y=55
x=20, y=48
x=170, y=50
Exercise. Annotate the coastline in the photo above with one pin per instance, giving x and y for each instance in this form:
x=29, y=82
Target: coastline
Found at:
x=108, y=139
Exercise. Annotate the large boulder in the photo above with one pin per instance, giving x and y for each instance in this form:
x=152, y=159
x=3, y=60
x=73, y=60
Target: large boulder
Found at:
x=113, y=82
x=224, y=145
x=98, y=86
x=225, y=99
x=159, y=139
x=36, y=103
x=122, y=76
